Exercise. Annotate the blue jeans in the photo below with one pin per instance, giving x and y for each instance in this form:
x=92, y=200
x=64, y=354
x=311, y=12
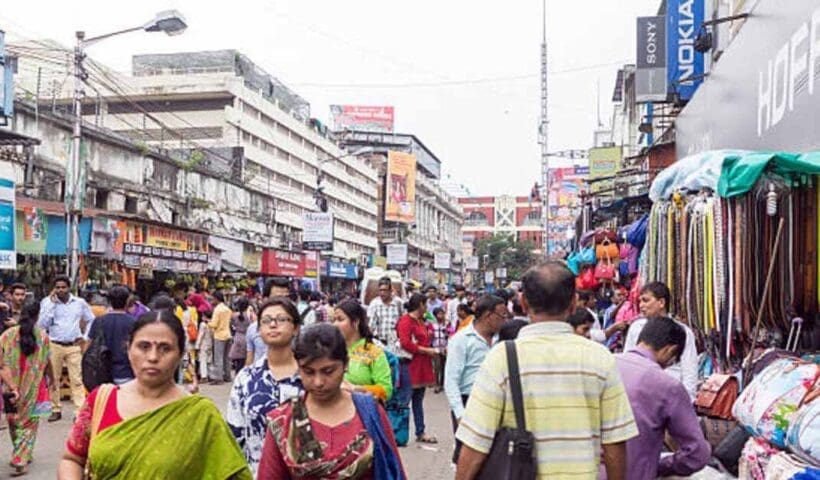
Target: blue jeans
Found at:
x=418, y=410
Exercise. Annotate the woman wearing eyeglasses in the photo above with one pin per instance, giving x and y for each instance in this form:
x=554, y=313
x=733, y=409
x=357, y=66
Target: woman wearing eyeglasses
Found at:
x=268, y=382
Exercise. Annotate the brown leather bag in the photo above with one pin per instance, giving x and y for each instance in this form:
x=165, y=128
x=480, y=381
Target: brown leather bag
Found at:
x=716, y=396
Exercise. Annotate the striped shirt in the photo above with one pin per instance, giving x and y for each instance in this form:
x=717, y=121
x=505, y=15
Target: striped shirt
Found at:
x=574, y=400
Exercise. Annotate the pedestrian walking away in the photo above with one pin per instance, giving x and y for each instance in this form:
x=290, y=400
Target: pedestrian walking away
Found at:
x=26, y=371
x=116, y=326
x=340, y=434
x=65, y=318
x=559, y=371
x=151, y=427
x=268, y=382
x=415, y=339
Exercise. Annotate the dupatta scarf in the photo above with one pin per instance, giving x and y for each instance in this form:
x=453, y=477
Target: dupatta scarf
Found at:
x=185, y=439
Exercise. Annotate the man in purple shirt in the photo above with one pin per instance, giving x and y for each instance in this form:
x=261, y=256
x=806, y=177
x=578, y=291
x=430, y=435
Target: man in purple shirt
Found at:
x=660, y=404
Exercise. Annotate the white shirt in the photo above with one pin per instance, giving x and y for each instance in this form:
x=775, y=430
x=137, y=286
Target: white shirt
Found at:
x=686, y=371
x=596, y=332
x=452, y=310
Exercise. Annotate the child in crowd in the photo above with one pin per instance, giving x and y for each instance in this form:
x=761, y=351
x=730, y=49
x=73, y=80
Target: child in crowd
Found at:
x=440, y=331
x=204, y=345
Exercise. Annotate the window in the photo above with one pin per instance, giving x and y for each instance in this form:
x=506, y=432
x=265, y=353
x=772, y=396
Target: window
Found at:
x=131, y=204
x=101, y=199
x=476, y=218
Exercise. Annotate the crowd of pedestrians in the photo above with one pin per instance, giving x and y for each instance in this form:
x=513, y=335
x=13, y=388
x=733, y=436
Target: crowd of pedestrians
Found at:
x=325, y=388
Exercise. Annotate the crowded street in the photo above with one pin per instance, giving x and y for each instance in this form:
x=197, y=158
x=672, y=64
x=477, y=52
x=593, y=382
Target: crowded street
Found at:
x=363, y=240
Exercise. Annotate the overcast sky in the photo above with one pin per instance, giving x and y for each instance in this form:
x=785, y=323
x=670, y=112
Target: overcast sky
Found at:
x=445, y=65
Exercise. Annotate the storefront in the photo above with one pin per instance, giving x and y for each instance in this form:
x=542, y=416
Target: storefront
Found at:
x=339, y=277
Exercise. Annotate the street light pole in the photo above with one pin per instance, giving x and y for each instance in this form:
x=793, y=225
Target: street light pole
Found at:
x=170, y=22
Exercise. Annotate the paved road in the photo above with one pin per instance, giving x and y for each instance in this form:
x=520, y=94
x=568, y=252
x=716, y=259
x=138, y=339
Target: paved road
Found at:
x=428, y=462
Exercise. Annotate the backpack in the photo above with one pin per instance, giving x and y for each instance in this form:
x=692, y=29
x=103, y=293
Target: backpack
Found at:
x=96, y=362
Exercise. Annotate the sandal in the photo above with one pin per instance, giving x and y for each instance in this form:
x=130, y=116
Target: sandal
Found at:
x=426, y=439
x=19, y=471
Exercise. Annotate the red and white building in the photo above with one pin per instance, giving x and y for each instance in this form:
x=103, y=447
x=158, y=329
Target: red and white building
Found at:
x=517, y=216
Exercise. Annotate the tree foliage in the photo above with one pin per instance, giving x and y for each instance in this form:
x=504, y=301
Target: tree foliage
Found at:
x=503, y=251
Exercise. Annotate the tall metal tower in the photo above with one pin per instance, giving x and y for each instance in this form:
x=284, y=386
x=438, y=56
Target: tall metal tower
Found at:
x=544, y=138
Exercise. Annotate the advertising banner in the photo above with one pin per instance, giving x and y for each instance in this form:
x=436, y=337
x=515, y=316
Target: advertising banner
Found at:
x=32, y=231
x=397, y=254
x=489, y=277
x=251, y=259
x=650, y=74
x=282, y=263
x=472, y=263
x=603, y=162
x=685, y=66
x=361, y=117
x=441, y=261
x=400, y=204
x=342, y=270
x=311, y=264
x=8, y=253
x=317, y=233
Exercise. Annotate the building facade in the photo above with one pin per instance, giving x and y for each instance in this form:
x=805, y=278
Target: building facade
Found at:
x=438, y=216
x=518, y=217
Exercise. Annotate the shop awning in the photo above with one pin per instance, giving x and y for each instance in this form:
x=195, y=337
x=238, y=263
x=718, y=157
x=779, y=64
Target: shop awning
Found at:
x=12, y=139
x=730, y=172
x=230, y=267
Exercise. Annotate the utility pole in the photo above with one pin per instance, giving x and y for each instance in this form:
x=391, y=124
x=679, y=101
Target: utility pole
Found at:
x=544, y=138
x=74, y=188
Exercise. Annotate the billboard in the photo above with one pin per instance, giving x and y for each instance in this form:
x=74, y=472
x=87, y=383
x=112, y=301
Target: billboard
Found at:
x=6, y=81
x=441, y=261
x=400, y=201
x=767, y=97
x=650, y=74
x=603, y=162
x=684, y=65
x=566, y=186
x=8, y=253
x=397, y=254
x=362, y=117
x=317, y=231
x=472, y=263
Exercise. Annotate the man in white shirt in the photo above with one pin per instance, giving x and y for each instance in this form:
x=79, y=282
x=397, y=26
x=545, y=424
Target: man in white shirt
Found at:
x=654, y=302
x=453, y=303
x=597, y=333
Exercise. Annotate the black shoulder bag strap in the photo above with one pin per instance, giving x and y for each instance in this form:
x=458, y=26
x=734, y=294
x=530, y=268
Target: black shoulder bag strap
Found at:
x=515, y=384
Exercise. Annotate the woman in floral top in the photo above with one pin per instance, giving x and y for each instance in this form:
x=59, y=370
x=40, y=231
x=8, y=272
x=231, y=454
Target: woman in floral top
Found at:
x=268, y=382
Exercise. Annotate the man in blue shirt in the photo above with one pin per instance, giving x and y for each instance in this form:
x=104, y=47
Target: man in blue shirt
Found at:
x=465, y=354
x=116, y=326
x=65, y=318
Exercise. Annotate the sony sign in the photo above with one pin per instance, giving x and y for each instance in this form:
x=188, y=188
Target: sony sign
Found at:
x=685, y=66
x=650, y=72
x=788, y=74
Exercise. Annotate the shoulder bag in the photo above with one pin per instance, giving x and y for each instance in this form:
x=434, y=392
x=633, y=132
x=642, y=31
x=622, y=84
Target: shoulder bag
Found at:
x=716, y=396
x=512, y=455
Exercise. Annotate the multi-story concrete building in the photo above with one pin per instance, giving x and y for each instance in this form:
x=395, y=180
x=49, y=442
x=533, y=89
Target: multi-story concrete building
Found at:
x=439, y=217
x=220, y=111
x=518, y=217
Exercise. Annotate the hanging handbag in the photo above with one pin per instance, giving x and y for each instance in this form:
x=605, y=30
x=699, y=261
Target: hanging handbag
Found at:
x=587, y=255
x=512, y=455
x=607, y=249
x=716, y=396
x=573, y=263
x=586, y=280
x=605, y=271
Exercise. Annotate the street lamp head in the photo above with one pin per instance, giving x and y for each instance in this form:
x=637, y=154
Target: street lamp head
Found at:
x=169, y=21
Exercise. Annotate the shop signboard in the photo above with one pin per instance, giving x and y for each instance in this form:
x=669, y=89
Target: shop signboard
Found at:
x=107, y=237
x=501, y=272
x=379, y=261
x=400, y=204
x=397, y=254
x=441, y=261
x=603, y=162
x=685, y=65
x=251, y=258
x=650, y=73
x=8, y=253
x=362, y=118
x=32, y=231
x=311, y=264
x=767, y=96
x=342, y=270
x=489, y=277
x=283, y=263
x=6, y=81
x=472, y=263
x=317, y=231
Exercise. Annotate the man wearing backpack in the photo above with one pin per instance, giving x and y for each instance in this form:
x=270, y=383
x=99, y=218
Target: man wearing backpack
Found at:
x=116, y=326
x=307, y=312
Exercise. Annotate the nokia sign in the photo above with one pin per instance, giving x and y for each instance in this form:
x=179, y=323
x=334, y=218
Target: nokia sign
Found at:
x=685, y=66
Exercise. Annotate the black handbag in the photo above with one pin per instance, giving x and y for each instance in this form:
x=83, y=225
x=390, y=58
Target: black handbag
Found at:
x=512, y=455
x=96, y=361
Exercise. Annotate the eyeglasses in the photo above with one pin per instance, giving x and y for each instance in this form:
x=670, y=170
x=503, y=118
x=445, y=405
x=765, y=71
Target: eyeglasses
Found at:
x=275, y=321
